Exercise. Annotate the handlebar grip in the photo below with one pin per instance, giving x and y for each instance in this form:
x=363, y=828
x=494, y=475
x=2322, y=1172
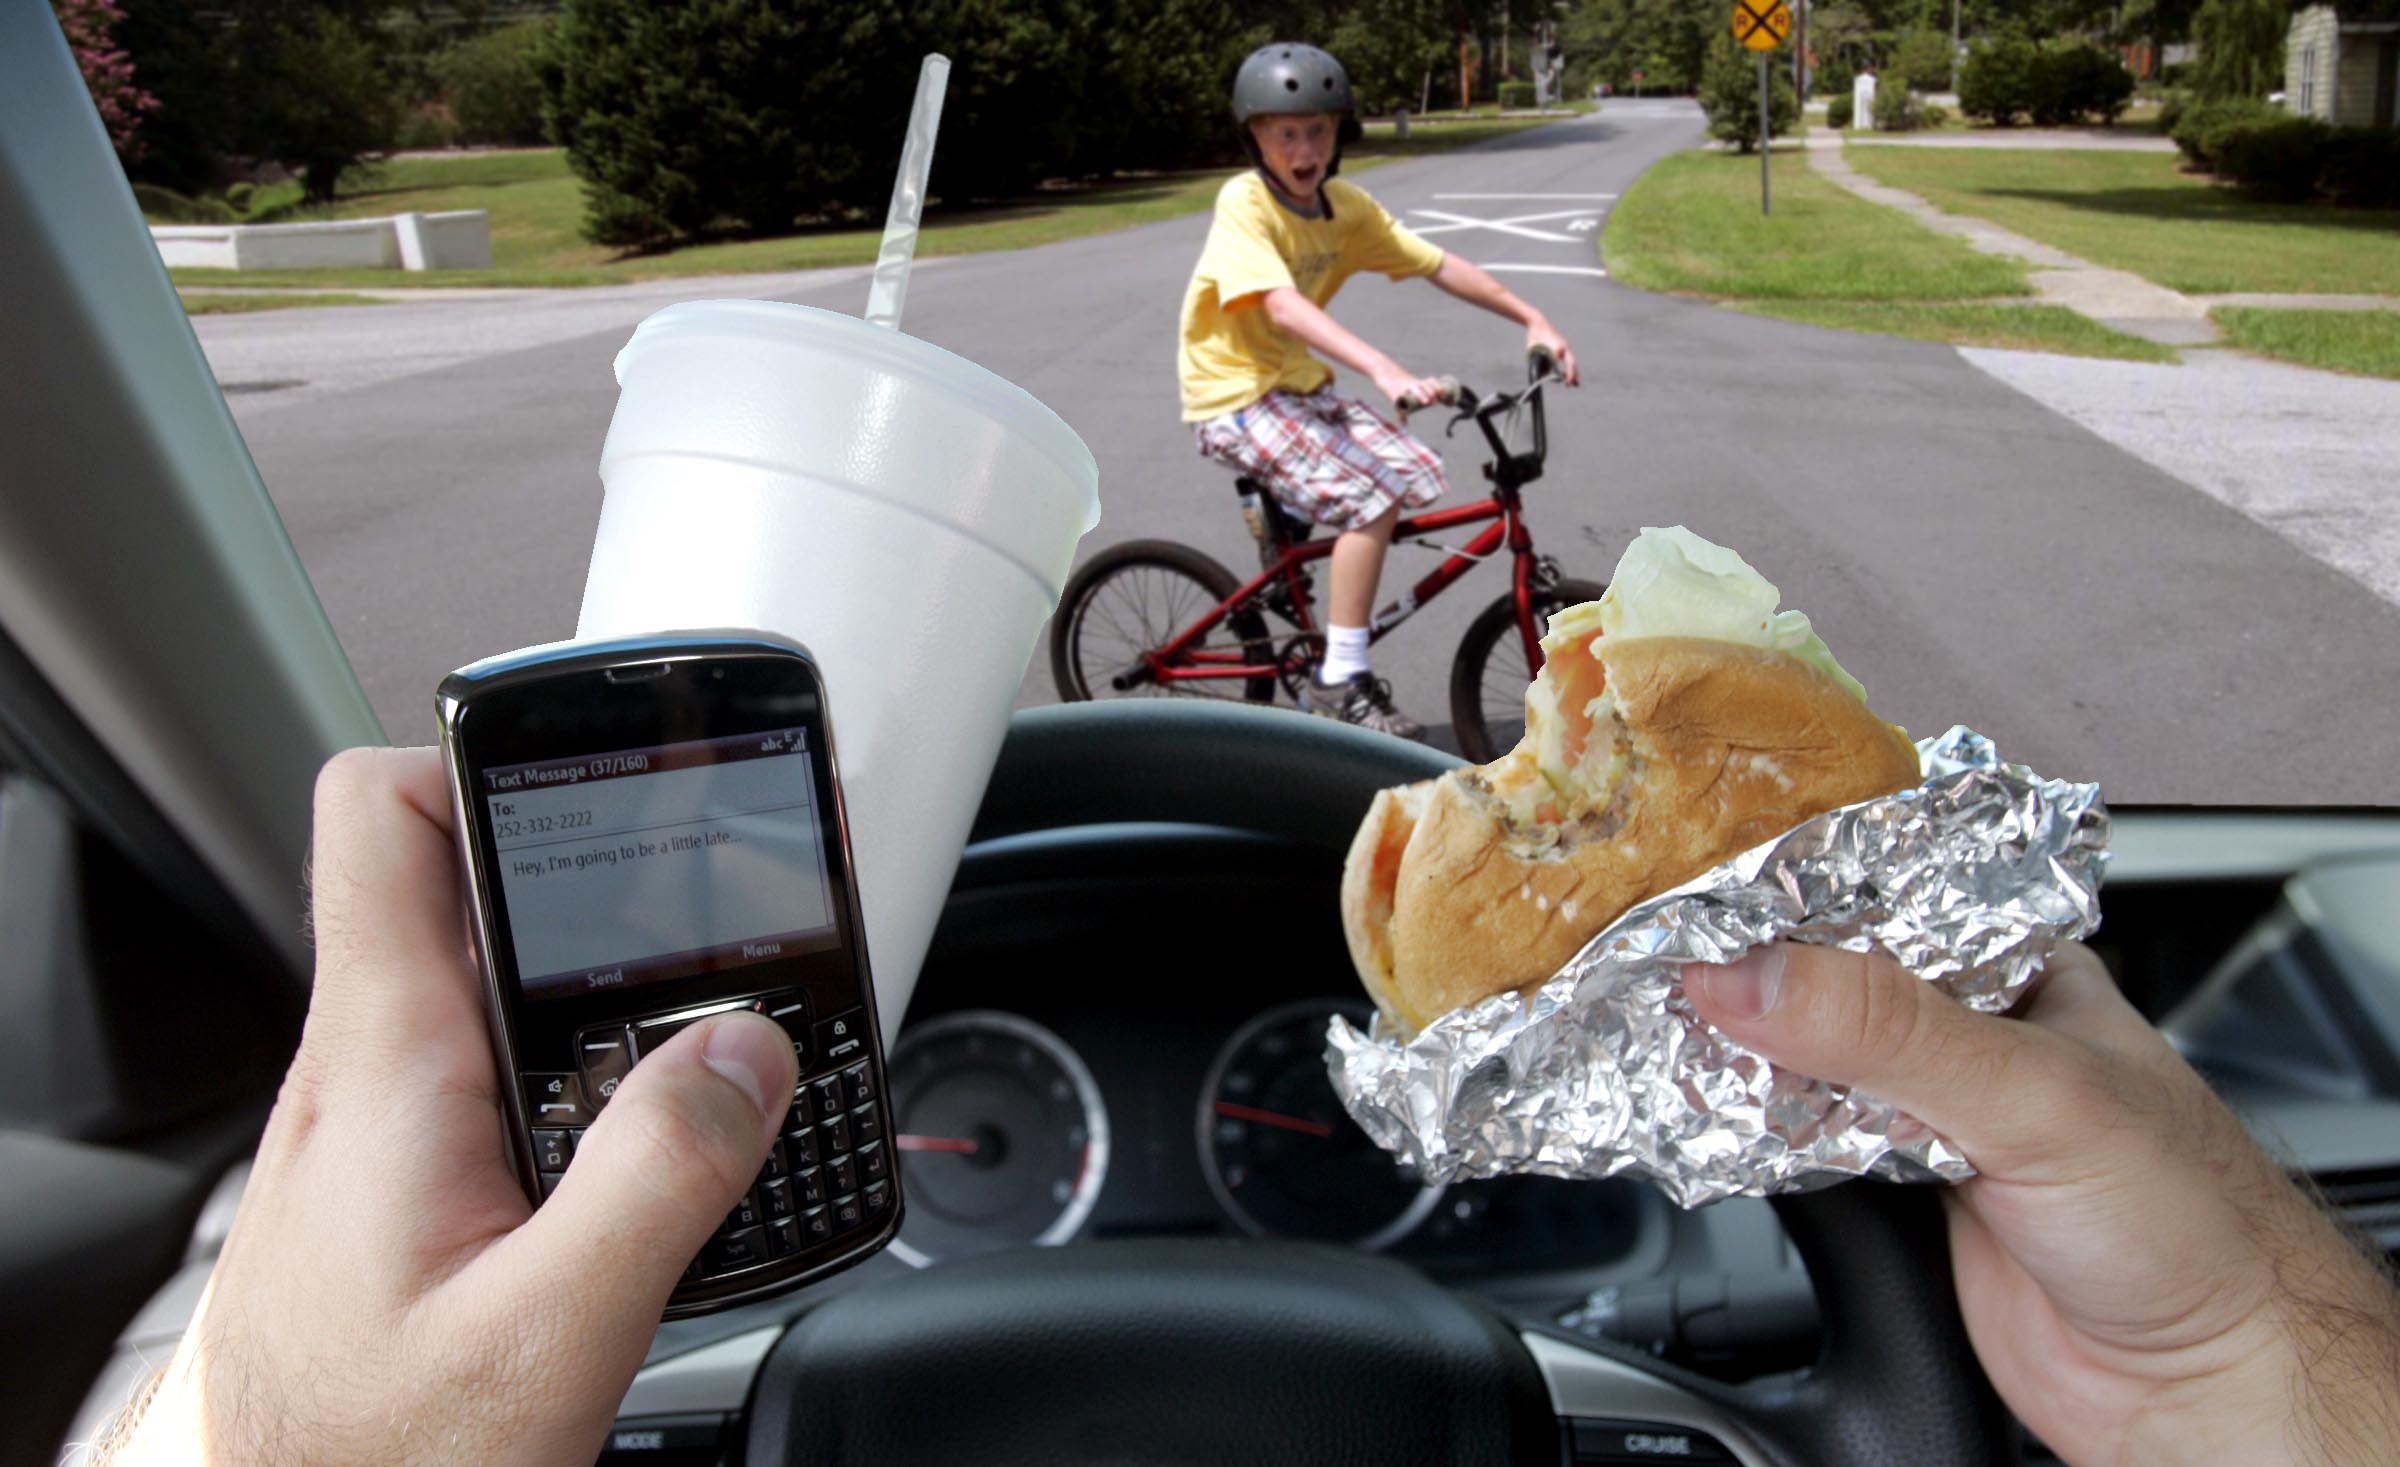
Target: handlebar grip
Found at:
x=1540, y=363
x=1448, y=394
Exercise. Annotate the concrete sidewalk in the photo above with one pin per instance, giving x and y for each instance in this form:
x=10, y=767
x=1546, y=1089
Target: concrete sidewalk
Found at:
x=2090, y=140
x=2118, y=299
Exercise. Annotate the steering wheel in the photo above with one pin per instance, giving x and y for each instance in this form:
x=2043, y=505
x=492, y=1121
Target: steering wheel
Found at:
x=1173, y=1351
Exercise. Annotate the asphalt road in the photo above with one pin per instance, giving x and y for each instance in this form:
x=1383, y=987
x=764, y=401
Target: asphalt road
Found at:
x=1969, y=554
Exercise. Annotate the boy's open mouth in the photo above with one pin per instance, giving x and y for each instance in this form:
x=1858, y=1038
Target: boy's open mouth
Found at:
x=1306, y=174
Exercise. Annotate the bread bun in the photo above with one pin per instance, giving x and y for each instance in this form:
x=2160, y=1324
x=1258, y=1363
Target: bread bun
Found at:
x=1646, y=761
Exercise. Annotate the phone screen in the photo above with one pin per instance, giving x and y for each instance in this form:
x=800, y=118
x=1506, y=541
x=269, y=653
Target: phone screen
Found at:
x=645, y=865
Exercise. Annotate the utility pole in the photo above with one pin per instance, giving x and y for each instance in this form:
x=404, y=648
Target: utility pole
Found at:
x=1765, y=147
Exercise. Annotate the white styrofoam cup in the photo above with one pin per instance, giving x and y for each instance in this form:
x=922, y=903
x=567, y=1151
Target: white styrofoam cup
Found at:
x=906, y=515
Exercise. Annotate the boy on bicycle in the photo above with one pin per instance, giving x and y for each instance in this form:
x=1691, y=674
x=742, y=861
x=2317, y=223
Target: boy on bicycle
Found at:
x=1286, y=237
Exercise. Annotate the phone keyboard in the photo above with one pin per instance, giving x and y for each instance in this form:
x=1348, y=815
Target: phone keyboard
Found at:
x=828, y=1174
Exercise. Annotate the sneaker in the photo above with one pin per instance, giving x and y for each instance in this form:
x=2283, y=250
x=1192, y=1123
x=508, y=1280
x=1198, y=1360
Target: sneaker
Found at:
x=1363, y=699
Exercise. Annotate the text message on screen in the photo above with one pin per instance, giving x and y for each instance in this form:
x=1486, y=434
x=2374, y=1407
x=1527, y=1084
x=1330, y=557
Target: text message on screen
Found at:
x=647, y=864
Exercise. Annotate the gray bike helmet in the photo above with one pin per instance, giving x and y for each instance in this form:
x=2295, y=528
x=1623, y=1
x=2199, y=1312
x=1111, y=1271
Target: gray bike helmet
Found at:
x=1289, y=77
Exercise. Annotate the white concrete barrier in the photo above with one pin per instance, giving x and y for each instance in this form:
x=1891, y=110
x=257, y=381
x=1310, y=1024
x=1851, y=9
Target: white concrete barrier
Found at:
x=457, y=240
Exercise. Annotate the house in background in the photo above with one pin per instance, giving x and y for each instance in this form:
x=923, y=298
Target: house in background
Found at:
x=2341, y=63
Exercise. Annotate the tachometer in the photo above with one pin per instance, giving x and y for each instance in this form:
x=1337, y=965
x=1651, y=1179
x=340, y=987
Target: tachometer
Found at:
x=1282, y=1155
x=1003, y=1140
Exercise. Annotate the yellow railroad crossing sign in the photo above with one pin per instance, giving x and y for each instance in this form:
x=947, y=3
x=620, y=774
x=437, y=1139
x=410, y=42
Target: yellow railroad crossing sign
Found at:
x=1761, y=24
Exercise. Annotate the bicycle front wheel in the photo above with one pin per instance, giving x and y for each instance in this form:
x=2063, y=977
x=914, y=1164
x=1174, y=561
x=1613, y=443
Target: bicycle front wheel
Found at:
x=1488, y=678
x=1132, y=599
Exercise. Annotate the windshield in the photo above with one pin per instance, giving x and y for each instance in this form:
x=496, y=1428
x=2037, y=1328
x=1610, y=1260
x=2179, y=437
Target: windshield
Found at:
x=2060, y=407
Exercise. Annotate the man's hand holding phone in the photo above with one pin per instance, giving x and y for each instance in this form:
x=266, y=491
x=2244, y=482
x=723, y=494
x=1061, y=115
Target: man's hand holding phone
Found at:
x=387, y=1293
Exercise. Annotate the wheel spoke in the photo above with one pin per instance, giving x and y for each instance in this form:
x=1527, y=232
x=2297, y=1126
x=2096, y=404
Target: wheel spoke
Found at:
x=1139, y=609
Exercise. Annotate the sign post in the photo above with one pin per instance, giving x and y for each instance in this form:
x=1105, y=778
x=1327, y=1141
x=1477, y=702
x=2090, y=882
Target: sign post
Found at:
x=1761, y=25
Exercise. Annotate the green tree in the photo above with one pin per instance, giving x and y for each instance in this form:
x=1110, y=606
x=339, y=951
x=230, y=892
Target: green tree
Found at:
x=1923, y=53
x=1665, y=40
x=680, y=116
x=1729, y=93
x=725, y=114
x=2241, y=47
x=492, y=83
x=1394, y=50
x=1160, y=92
x=320, y=101
x=303, y=82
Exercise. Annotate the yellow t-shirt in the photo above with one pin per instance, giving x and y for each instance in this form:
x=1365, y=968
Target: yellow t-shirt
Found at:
x=1232, y=355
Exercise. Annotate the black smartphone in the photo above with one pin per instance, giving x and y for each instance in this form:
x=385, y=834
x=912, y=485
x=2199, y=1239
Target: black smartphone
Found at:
x=652, y=833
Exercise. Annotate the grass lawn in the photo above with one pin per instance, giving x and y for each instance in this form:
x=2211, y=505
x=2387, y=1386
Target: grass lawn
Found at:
x=2017, y=328
x=2139, y=212
x=2365, y=342
x=536, y=204
x=1692, y=224
x=224, y=305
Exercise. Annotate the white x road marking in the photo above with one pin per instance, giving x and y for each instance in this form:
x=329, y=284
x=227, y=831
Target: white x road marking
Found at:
x=1514, y=225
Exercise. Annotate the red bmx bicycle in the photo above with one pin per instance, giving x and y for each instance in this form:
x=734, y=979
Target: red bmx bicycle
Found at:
x=1156, y=618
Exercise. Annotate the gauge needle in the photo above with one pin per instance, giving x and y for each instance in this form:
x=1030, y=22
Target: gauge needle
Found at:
x=957, y=1146
x=1233, y=1112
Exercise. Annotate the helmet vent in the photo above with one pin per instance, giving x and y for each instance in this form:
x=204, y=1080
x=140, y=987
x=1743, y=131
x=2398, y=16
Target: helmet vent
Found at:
x=1291, y=83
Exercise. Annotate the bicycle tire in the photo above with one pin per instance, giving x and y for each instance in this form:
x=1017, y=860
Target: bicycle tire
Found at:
x=1080, y=665
x=1482, y=738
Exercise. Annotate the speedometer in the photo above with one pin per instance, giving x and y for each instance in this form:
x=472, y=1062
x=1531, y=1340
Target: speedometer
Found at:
x=1282, y=1155
x=1002, y=1137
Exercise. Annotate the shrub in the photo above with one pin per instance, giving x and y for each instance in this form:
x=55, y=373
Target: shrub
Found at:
x=1934, y=116
x=1996, y=83
x=427, y=126
x=2170, y=111
x=709, y=113
x=2204, y=126
x=1516, y=95
x=1729, y=94
x=1835, y=79
x=1923, y=53
x=240, y=197
x=2362, y=168
x=1898, y=108
x=493, y=83
x=165, y=206
x=2073, y=80
x=1839, y=111
x=2279, y=160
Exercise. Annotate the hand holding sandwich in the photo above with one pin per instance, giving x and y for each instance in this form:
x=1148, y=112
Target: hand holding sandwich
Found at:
x=2141, y=1281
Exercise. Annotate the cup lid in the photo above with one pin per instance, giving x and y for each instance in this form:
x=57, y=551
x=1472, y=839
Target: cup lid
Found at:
x=780, y=323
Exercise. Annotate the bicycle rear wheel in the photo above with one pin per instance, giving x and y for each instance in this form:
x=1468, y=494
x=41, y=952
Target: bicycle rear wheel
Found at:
x=1132, y=599
x=1488, y=677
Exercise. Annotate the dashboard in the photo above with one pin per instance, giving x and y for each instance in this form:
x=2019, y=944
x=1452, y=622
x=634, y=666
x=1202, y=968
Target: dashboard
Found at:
x=1114, y=1115
x=1119, y=1033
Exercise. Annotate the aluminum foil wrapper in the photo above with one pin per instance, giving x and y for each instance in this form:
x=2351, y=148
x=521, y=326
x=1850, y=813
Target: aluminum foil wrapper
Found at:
x=1968, y=880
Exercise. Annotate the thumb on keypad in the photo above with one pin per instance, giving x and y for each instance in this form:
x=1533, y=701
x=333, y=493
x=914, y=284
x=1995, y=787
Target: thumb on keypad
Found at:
x=680, y=1142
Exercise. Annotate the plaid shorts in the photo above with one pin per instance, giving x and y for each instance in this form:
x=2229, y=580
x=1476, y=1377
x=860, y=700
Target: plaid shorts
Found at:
x=1326, y=456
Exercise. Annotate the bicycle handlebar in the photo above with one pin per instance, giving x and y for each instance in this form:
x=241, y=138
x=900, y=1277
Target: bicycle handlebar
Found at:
x=1542, y=369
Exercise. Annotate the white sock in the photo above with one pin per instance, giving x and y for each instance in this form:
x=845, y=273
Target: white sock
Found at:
x=1345, y=654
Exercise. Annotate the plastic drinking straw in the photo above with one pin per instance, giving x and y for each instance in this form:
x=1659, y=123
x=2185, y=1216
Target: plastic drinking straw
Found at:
x=890, y=288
